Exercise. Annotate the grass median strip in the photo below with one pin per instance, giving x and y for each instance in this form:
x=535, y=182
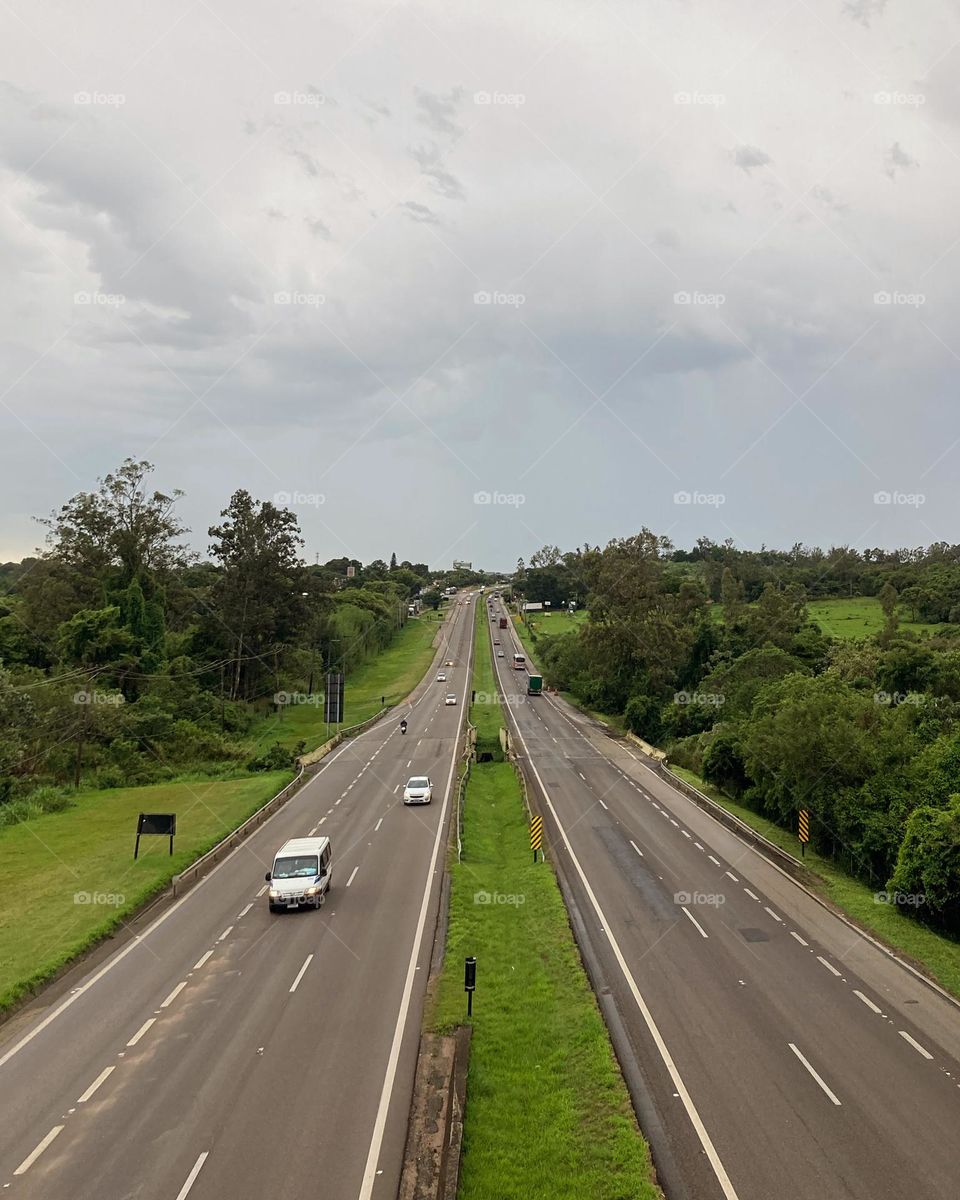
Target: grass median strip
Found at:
x=548, y=1115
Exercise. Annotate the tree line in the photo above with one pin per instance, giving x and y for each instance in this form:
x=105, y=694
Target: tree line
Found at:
x=711, y=655
x=126, y=658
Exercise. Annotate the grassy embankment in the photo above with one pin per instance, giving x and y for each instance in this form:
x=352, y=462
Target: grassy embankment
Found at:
x=88, y=849
x=548, y=1115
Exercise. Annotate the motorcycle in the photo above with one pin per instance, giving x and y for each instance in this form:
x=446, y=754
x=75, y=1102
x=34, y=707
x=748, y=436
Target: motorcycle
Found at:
x=403, y=727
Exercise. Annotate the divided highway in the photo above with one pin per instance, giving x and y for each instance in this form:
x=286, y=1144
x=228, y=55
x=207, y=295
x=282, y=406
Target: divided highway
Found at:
x=231, y=1052
x=782, y=1054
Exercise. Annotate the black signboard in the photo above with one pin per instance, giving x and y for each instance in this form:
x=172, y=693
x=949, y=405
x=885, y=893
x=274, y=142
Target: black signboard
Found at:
x=162, y=824
x=333, y=698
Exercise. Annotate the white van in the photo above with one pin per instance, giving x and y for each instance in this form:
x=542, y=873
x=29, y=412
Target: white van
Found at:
x=301, y=874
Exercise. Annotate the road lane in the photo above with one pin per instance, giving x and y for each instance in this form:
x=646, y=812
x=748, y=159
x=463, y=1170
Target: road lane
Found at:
x=731, y=1006
x=260, y=1076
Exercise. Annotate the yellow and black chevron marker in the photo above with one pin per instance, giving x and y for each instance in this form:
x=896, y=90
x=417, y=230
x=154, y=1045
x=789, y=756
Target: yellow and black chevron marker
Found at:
x=803, y=830
x=536, y=835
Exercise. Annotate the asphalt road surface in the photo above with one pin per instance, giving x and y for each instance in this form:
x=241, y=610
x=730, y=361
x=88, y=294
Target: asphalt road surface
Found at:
x=783, y=1054
x=231, y=1052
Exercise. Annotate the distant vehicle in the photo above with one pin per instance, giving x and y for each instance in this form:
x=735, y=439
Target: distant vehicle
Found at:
x=301, y=874
x=441, y=677
x=419, y=790
x=450, y=698
x=499, y=654
x=503, y=622
x=496, y=641
x=519, y=662
x=535, y=685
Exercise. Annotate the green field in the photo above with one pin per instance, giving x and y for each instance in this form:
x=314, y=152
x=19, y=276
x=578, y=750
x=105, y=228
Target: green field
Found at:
x=45, y=865
x=939, y=955
x=548, y=1116
x=547, y=624
x=851, y=619
x=393, y=673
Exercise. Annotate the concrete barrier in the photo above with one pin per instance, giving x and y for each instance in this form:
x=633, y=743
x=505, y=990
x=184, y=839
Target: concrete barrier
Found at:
x=431, y=1166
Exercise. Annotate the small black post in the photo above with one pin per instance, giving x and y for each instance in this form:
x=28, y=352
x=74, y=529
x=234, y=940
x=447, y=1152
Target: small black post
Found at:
x=469, y=981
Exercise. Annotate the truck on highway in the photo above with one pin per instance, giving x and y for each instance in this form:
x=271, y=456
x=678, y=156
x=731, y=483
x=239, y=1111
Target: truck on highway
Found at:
x=503, y=622
x=534, y=685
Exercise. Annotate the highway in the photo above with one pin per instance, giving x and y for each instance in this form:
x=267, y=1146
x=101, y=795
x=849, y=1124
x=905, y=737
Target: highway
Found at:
x=228, y=1051
x=776, y=1051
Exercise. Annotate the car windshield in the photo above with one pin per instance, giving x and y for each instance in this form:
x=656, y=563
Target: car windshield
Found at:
x=296, y=867
x=420, y=781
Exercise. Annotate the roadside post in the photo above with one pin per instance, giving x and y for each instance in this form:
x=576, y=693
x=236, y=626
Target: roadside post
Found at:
x=470, y=981
x=803, y=830
x=536, y=836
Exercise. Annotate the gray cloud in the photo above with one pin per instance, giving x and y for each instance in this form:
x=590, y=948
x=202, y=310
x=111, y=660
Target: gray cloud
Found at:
x=897, y=159
x=748, y=157
x=438, y=112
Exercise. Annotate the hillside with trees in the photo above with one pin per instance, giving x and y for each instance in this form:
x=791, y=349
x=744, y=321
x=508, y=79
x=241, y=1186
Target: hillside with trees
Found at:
x=711, y=655
x=126, y=658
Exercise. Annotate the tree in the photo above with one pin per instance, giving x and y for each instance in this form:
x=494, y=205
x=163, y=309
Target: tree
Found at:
x=928, y=863
x=257, y=600
x=120, y=526
x=393, y=561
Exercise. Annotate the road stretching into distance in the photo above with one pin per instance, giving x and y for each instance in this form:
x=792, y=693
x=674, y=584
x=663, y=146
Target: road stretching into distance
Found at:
x=228, y=1051
x=781, y=1053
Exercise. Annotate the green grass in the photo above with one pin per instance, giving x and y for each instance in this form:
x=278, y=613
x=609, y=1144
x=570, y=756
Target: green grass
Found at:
x=851, y=619
x=393, y=673
x=89, y=849
x=548, y=1116
x=937, y=954
x=859, y=618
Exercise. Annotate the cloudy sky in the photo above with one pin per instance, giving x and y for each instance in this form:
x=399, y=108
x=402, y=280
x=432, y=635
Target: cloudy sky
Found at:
x=458, y=278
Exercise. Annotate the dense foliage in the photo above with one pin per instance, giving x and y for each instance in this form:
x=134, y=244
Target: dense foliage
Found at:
x=710, y=653
x=124, y=658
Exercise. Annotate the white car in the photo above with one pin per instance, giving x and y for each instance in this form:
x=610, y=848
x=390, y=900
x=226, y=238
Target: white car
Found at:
x=499, y=654
x=450, y=698
x=441, y=677
x=419, y=790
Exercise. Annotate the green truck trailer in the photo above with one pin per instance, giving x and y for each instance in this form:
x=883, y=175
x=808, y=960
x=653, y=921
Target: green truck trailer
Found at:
x=534, y=685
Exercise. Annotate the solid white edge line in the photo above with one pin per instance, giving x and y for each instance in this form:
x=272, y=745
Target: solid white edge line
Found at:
x=817, y=1077
x=353, y=875
x=192, y=1177
x=174, y=994
x=386, y=1093
x=101, y=1078
x=830, y=967
x=38, y=1150
x=700, y=928
x=915, y=1044
x=300, y=974
x=155, y=925
x=141, y=1031
x=203, y=958
x=681, y=1088
x=867, y=1001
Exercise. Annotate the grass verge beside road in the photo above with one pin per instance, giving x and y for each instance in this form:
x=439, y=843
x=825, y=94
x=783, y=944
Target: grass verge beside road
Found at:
x=548, y=1116
x=938, y=955
x=393, y=673
x=68, y=879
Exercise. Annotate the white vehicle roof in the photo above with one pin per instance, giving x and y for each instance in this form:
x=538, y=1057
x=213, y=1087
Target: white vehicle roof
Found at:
x=307, y=845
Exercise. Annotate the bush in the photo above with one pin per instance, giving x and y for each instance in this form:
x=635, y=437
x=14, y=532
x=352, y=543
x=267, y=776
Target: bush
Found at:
x=642, y=715
x=277, y=758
